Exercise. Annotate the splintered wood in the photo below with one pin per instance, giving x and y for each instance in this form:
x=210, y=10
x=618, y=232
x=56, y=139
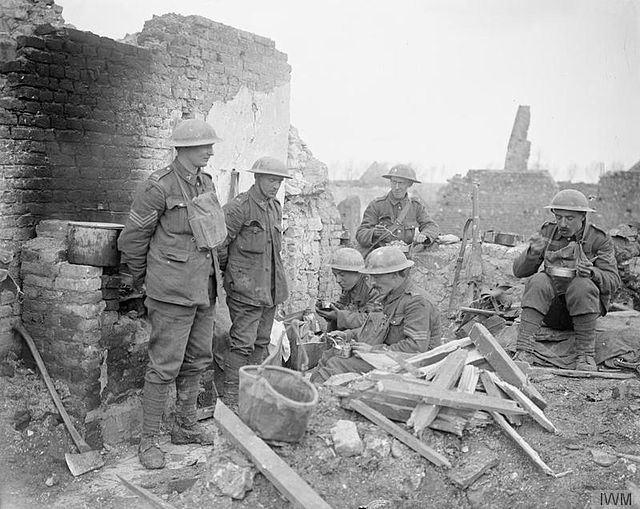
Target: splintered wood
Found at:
x=452, y=387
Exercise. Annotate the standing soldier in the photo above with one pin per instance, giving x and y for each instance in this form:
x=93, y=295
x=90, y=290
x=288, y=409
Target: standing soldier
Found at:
x=254, y=276
x=396, y=216
x=580, y=275
x=168, y=244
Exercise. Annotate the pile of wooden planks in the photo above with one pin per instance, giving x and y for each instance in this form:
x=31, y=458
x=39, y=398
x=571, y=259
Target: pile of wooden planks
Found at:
x=466, y=380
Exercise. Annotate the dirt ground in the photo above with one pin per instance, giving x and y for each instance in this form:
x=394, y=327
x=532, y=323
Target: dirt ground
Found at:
x=600, y=415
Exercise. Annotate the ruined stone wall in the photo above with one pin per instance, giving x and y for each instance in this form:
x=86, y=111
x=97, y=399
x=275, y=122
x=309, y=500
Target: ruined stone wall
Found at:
x=312, y=228
x=84, y=119
x=618, y=198
x=508, y=201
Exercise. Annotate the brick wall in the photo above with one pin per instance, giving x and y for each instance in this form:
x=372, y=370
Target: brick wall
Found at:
x=618, y=199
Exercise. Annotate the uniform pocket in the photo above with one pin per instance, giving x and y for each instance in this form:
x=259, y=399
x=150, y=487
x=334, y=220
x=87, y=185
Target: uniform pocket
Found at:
x=175, y=255
x=252, y=237
x=176, y=215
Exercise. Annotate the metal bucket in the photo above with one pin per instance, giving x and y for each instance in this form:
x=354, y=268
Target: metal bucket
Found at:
x=93, y=243
x=275, y=402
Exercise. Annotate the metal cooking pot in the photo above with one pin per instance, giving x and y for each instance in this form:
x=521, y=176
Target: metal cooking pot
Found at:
x=564, y=272
x=93, y=243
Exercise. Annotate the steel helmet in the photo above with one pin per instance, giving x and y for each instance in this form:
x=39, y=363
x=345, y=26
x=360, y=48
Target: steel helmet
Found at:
x=402, y=171
x=570, y=199
x=347, y=259
x=192, y=133
x=270, y=166
x=385, y=260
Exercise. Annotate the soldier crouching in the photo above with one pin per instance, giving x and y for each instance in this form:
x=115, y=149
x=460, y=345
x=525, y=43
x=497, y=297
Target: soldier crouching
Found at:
x=580, y=275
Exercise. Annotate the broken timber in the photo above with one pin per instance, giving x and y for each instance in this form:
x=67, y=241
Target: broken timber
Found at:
x=287, y=481
x=525, y=402
x=446, y=377
x=574, y=373
x=396, y=431
x=438, y=353
x=151, y=499
x=492, y=390
x=503, y=364
x=437, y=396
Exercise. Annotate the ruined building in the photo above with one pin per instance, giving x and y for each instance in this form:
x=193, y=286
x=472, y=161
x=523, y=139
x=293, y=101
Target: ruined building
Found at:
x=84, y=119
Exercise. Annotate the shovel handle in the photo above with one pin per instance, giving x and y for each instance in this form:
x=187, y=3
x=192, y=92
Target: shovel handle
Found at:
x=78, y=440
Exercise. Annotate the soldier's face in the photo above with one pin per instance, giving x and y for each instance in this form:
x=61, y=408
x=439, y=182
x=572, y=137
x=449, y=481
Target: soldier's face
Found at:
x=399, y=186
x=384, y=284
x=268, y=184
x=569, y=221
x=197, y=156
x=346, y=279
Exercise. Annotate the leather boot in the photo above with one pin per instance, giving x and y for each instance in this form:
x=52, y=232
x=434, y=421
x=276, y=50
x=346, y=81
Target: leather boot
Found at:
x=154, y=398
x=187, y=429
x=584, y=327
x=530, y=321
x=233, y=362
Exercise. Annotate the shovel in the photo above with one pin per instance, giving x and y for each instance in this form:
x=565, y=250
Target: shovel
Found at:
x=87, y=459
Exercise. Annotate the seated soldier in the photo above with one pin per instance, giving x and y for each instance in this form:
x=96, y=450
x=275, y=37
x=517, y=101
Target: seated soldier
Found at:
x=357, y=298
x=580, y=275
x=409, y=322
x=396, y=216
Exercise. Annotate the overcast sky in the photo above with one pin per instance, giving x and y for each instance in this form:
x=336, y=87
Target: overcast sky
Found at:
x=438, y=82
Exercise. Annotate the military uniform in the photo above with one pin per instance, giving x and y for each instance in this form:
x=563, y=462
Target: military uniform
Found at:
x=580, y=295
x=158, y=247
x=354, y=305
x=409, y=323
x=385, y=210
x=254, y=277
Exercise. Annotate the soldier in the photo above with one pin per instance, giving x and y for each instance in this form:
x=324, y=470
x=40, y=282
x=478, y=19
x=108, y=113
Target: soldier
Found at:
x=396, y=216
x=176, y=260
x=357, y=298
x=254, y=276
x=580, y=275
x=409, y=324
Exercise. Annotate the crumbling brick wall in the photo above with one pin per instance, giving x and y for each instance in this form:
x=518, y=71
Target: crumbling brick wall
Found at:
x=618, y=198
x=312, y=228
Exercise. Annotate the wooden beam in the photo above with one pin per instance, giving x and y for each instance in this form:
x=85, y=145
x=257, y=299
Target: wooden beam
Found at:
x=438, y=353
x=492, y=390
x=149, y=497
x=529, y=451
x=445, y=397
x=379, y=361
x=446, y=377
x=287, y=481
x=404, y=436
x=573, y=373
x=525, y=402
x=503, y=364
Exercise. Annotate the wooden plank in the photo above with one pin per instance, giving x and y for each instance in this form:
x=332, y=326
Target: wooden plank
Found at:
x=503, y=364
x=474, y=356
x=475, y=465
x=573, y=373
x=450, y=420
x=529, y=451
x=379, y=361
x=446, y=377
x=404, y=436
x=469, y=379
x=287, y=481
x=446, y=397
x=429, y=372
x=438, y=353
x=149, y=497
x=398, y=413
x=525, y=402
x=492, y=390
x=385, y=375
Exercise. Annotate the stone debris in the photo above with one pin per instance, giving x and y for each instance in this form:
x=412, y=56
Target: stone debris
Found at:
x=376, y=445
x=602, y=458
x=346, y=440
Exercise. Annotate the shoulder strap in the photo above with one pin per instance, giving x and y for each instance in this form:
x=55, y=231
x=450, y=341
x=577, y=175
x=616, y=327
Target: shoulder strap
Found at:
x=404, y=211
x=182, y=188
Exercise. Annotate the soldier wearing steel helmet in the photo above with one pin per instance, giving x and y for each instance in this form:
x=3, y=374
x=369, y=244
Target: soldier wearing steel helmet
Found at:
x=578, y=278
x=172, y=253
x=396, y=216
x=409, y=324
x=357, y=298
x=254, y=276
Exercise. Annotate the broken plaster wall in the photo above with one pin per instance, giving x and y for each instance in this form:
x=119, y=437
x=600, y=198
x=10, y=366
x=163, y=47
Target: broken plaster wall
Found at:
x=84, y=119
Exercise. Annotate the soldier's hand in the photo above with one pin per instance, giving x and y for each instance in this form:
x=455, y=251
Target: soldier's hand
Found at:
x=537, y=243
x=421, y=238
x=379, y=230
x=328, y=314
x=358, y=346
x=583, y=268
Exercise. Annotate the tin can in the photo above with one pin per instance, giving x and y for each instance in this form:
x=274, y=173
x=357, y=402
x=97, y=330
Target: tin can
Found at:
x=342, y=350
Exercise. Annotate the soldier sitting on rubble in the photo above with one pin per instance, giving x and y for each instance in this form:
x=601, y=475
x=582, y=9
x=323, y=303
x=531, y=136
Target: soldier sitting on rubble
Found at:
x=357, y=298
x=409, y=323
x=395, y=216
x=580, y=274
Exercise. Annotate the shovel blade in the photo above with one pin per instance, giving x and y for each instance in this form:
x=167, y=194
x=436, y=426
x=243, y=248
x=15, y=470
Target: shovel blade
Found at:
x=84, y=462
